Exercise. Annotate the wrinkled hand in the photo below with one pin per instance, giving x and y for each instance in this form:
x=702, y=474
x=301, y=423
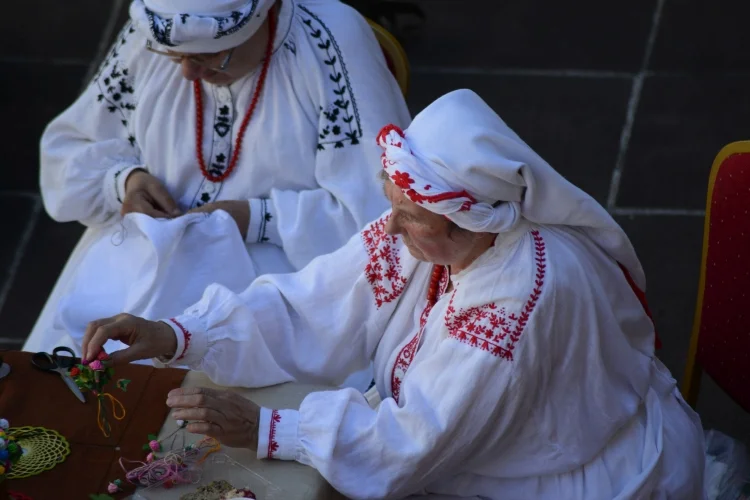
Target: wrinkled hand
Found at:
x=238, y=209
x=223, y=415
x=146, y=339
x=145, y=194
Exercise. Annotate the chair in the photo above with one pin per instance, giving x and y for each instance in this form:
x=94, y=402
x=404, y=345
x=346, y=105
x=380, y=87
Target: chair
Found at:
x=720, y=342
x=394, y=54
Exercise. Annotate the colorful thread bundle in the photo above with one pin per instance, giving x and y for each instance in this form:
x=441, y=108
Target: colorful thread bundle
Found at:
x=10, y=451
x=93, y=377
x=176, y=467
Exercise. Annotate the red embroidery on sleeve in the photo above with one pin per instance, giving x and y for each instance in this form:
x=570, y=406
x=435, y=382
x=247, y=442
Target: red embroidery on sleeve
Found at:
x=186, y=335
x=273, y=446
x=492, y=329
x=405, y=357
x=383, y=271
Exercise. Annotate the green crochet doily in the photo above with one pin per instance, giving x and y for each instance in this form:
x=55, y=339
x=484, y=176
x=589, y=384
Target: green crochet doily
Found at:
x=42, y=450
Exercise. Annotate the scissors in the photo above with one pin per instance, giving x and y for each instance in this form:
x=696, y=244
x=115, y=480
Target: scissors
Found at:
x=60, y=361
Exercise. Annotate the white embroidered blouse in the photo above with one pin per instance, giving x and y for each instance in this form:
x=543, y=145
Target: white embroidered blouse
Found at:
x=534, y=376
x=309, y=159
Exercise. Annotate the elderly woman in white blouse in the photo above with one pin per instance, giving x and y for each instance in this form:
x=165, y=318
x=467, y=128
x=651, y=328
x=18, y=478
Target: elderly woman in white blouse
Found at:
x=263, y=113
x=500, y=306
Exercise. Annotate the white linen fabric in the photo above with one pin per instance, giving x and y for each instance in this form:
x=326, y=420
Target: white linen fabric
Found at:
x=199, y=26
x=150, y=268
x=458, y=158
x=309, y=160
x=534, y=377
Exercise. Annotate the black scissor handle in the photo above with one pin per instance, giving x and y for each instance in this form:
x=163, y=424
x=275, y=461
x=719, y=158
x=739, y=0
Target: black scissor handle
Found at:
x=43, y=361
x=64, y=357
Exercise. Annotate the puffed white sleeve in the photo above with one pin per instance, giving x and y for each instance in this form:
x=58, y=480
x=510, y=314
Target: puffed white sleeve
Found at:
x=88, y=151
x=438, y=425
x=318, y=325
x=344, y=77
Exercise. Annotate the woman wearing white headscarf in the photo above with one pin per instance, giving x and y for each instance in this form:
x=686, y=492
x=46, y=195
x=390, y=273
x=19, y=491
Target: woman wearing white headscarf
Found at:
x=500, y=305
x=266, y=109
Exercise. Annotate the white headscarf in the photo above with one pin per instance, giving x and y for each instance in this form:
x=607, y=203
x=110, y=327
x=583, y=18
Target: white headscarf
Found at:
x=199, y=26
x=458, y=158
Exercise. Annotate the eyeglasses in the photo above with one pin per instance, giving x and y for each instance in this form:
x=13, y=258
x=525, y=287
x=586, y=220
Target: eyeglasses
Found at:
x=205, y=61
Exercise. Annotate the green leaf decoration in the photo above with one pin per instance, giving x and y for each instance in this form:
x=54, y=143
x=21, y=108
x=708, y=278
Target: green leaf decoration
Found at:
x=100, y=497
x=122, y=384
x=152, y=437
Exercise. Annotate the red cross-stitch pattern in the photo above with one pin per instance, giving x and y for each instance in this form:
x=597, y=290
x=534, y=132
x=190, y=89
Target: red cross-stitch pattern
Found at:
x=405, y=357
x=273, y=445
x=491, y=328
x=186, y=335
x=383, y=271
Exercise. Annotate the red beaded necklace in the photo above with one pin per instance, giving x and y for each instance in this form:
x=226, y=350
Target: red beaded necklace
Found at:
x=256, y=96
x=434, y=288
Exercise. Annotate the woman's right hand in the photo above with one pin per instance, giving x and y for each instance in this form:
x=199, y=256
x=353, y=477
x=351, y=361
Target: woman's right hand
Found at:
x=145, y=339
x=145, y=194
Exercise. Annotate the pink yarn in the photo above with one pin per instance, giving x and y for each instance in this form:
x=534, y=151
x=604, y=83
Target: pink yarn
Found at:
x=175, y=468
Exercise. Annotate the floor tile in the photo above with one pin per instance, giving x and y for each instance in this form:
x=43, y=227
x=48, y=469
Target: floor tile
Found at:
x=12, y=230
x=533, y=34
x=702, y=36
x=680, y=126
x=46, y=254
x=670, y=251
x=36, y=29
x=40, y=92
x=573, y=123
x=718, y=411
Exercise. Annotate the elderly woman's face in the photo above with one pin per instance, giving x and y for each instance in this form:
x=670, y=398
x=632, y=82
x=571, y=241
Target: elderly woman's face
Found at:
x=429, y=237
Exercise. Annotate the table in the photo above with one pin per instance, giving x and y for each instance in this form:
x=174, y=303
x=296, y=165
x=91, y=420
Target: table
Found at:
x=35, y=398
x=299, y=482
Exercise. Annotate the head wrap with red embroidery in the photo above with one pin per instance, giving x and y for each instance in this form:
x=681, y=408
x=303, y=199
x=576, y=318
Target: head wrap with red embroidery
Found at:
x=459, y=159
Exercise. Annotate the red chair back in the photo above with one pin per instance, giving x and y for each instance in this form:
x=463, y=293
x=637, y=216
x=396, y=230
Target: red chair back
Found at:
x=721, y=332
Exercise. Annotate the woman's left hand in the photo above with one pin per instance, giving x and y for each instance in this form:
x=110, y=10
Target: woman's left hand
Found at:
x=238, y=209
x=223, y=415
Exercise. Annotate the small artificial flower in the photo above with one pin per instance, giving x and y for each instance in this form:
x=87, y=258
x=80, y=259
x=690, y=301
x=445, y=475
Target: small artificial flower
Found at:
x=4, y=424
x=96, y=365
x=74, y=372
x=2, y=470
x=154, y=445
x=180, y=424
x=114, y=486
x=2, y=443
x=149, y=458
x=4, y=454
x=85, y=362
x=102, y=356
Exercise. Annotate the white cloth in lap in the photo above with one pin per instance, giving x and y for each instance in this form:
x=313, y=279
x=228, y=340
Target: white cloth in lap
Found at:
x=153, y=267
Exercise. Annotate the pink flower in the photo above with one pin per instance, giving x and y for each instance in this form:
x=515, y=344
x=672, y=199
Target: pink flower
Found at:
x=154, y=445
x=112, y=488
x=149, y=458
x=96, y=365
x=84, y=361
x=102, y=356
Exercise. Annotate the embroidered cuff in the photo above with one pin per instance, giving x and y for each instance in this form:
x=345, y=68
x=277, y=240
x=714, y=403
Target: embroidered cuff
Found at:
x=191, y=341
x=262, y=222
x=114, y=184
x=277, y=434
